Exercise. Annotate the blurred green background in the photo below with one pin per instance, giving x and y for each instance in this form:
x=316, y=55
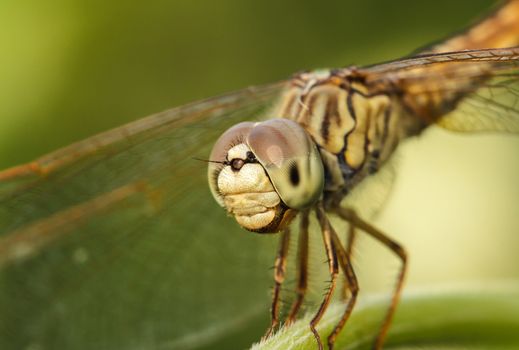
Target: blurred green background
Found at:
x=70, y=69
x=73, y=68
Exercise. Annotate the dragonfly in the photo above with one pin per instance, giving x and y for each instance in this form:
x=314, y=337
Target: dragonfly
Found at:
x=309, y=141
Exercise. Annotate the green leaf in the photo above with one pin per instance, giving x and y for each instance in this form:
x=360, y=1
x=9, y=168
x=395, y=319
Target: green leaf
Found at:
x=459, y=318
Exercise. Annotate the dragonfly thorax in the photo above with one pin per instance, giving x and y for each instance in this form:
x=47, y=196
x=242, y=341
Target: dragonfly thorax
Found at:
x=356, y=129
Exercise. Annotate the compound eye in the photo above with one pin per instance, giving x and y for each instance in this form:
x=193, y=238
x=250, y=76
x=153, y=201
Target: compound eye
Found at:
x=291, y=159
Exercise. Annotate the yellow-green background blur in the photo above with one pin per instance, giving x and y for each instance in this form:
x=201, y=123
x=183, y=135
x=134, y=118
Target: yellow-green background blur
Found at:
x=70, y=69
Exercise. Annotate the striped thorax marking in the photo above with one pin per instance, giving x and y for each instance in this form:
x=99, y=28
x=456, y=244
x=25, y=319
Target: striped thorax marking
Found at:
x=356, y=131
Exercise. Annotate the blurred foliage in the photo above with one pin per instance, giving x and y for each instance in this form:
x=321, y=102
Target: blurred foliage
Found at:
x=73, y=68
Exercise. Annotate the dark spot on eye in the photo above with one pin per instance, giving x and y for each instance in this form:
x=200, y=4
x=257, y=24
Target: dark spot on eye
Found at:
x=237, y=164
x=294, y=175
x=251, y=158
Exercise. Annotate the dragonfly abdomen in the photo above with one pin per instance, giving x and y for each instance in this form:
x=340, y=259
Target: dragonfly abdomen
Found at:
x=498, y=30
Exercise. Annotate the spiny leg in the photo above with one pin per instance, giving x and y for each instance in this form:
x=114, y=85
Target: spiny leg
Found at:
x=350, y=216
x=349, y=252
x=351, y=284
x=302, y=279
x=334, y=270
x=279, y=277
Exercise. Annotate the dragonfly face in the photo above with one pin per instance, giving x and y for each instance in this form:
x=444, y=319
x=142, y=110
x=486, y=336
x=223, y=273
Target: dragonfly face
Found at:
x=262, y=173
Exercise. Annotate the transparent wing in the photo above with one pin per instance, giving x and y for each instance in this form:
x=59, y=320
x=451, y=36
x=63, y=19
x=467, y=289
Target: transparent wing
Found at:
x=465, y=91
x=116, y=243
x=492, y=107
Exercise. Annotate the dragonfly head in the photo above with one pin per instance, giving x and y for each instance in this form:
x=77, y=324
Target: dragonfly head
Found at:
x=264, y=173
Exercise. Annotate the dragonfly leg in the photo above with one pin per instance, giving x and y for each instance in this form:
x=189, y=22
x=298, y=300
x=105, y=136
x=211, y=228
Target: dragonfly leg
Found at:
x=351, y=286
x=350, y=216
x=302, y=278
x=279, y=277
x=333, y=265
x=349, y=251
